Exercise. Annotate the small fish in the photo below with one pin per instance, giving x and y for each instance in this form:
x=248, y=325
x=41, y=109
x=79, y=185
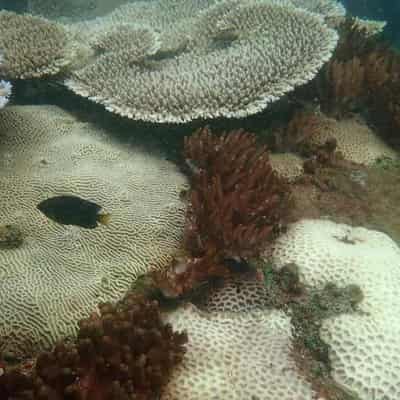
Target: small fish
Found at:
x=72, y=210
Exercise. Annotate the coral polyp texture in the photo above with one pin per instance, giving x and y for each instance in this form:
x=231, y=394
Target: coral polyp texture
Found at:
x=355, y=140
x=269, y=49
x=364, y=346
x=61, y=272
x=236, y=356
x=32, y=46
x=124, y=352
x=287, y=165
x=329, y=8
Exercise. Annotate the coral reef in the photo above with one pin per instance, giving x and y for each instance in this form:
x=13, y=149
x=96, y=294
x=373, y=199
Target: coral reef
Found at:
x=265, y=332
x=237, y=200
x=364, y=346
x=237, y=203
x=270, y=49
x=33, y=47
x=350, y=194
x=237, y=356
x=328, y=8
x=386, y=10
x=61, y=272
x=75, y=9
x=362, y=74
x=124, y=352
x=288, y=166
x=354, y=139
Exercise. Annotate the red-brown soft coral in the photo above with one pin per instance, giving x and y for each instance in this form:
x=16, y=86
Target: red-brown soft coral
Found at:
x=236, y=205
x=364, y=72
x=124, y=353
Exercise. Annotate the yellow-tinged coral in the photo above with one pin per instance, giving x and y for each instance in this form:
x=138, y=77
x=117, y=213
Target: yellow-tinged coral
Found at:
x=287, y=165
x=355, y=140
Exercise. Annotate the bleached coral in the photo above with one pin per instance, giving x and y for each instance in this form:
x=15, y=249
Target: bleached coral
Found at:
x=5, y=92
x=328, y=8
x=61, y=272
x=32, y=46
x=236, y=356
x=365, y=346
x=233, y=60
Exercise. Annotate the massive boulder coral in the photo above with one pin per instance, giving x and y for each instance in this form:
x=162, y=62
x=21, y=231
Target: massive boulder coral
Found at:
x=32, y=46
x=364, y=346
x=61, y=272
x=354, y=139
x=232, y=59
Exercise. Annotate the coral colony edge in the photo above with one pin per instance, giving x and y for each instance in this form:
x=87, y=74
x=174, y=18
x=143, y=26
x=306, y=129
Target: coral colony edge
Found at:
x=199, y=200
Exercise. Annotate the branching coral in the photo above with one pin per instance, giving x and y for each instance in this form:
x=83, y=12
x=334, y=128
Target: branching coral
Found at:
x=270, y=49
x=236, y=203
x=125, y=352
x=363, y=71
x=33, y=47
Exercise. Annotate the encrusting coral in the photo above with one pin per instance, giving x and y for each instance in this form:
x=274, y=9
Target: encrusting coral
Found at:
x=126, y=352
x=237, y=203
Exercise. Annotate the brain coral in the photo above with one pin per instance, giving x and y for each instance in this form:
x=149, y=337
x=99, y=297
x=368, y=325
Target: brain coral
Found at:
x=236, y=356
x=60, y=273
x=33, y=46
x=231, y=59
x=365, y=346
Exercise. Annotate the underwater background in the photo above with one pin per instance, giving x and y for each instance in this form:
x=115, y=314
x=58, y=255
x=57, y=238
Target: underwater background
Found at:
x=199, y=200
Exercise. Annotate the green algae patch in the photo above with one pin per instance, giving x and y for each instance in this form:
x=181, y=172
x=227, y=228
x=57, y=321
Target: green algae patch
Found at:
x=308, y=308
x=11, y=237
